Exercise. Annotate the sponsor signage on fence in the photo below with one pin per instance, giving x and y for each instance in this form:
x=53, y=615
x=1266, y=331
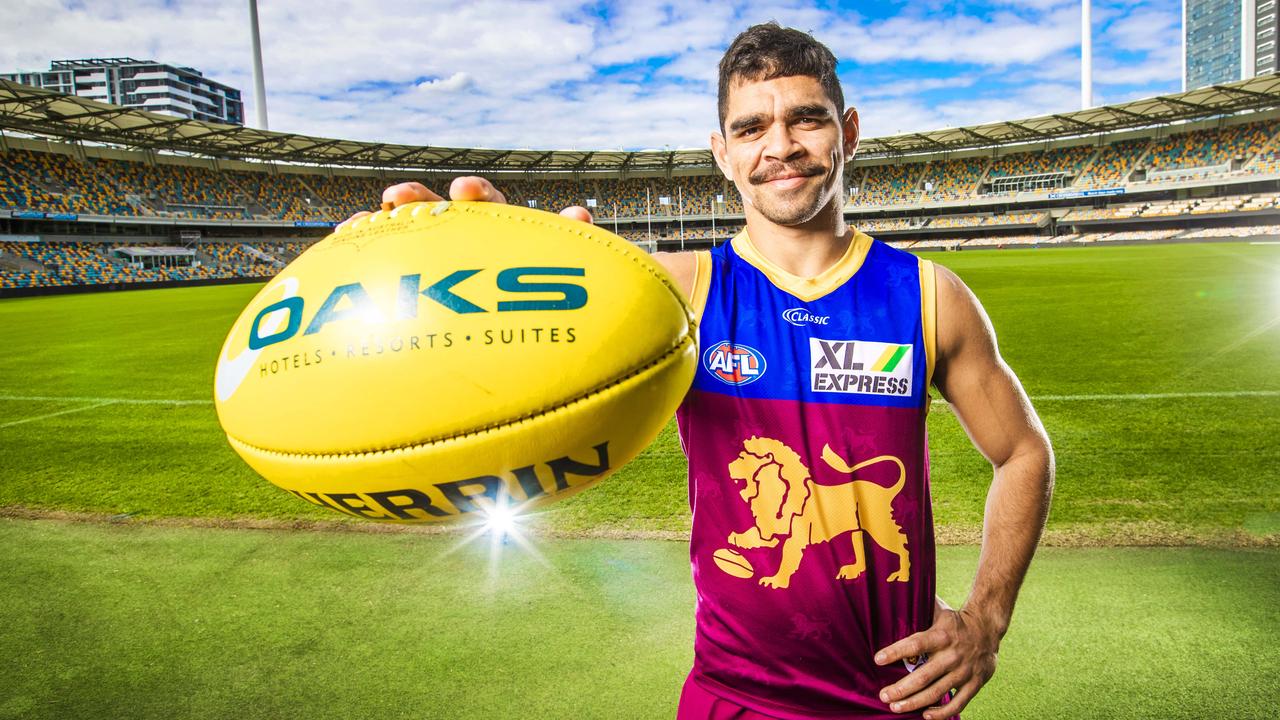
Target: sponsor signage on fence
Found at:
x=1099, y=192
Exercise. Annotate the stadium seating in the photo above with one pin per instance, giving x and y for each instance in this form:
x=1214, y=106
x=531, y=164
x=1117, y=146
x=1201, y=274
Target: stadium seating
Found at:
x=1208, y=148
x=1113, y=164
x=73, y=181
x=60, y=183
x=953, y=179
x=888, y=185
x=90, y=263
x=1068, y=160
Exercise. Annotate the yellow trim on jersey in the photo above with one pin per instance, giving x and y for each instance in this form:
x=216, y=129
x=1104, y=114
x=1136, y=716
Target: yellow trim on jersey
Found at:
x=929, y=315
x=701, y=282
x=806, y=289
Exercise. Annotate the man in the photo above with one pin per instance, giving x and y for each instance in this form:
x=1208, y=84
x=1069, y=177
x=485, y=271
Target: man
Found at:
x=812, y=542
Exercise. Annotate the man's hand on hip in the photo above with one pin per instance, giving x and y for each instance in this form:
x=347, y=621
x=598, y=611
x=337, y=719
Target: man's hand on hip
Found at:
x=961, y=646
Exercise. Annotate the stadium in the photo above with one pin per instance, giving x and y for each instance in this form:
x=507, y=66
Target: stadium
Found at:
x=1127, y=255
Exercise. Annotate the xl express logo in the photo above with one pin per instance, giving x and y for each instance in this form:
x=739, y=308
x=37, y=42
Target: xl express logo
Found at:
x=860, y=366
x=734, y=364
x=351, y=301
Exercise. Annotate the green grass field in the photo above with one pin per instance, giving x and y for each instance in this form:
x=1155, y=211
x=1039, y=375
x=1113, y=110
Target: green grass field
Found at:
x=144, y=622
x=1181, y=342
x=1153, y=369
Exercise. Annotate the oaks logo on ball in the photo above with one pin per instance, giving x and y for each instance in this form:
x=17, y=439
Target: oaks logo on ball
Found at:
x=734, y=364
x=360, y=305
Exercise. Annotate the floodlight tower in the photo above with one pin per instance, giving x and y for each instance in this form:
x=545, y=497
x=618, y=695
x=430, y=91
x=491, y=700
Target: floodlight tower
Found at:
x=259, y=87
x=1086, y=56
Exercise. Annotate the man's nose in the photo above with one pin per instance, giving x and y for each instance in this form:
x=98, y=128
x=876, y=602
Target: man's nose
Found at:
x=780, y=143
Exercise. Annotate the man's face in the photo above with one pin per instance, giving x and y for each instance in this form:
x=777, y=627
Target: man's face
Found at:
x=784, y=146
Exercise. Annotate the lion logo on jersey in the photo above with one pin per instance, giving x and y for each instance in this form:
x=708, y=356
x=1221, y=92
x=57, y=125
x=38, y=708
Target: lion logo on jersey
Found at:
x=788, y=506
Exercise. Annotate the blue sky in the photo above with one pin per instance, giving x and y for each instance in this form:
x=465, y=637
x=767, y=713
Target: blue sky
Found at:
x=606, y=75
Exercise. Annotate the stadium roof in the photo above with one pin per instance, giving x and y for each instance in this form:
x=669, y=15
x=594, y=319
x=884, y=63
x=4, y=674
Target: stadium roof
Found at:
x=45, y=113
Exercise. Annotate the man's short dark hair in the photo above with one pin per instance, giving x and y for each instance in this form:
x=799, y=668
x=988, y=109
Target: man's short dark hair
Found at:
x=768, y=51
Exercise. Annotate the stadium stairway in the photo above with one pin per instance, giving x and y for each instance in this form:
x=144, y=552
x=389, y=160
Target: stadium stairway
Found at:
x=17, y=263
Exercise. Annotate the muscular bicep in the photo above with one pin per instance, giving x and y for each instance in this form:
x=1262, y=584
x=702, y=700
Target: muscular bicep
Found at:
x=982, y=389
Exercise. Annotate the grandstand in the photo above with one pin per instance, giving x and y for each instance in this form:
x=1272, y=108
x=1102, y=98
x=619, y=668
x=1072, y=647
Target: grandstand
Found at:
x=95, y=196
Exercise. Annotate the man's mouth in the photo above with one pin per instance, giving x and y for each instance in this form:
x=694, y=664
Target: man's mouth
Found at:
x=786, y=179
x=786, y=182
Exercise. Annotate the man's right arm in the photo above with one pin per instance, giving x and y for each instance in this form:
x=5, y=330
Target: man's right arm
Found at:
x=680, y=264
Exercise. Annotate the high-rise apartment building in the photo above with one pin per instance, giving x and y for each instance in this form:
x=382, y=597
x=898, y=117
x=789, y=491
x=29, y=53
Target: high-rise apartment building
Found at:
x=1228, y=40
x=143, y=84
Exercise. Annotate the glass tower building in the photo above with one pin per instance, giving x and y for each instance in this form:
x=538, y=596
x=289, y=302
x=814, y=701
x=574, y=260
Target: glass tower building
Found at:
x=1228, y=40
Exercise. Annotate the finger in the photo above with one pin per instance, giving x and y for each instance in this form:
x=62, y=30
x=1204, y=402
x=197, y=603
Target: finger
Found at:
x=577, y=212
x=918, y=644
x=353, y=218
x=917, y=679
x=407, y=192
x=958, y=702
x=475, y=188
x=931, y=694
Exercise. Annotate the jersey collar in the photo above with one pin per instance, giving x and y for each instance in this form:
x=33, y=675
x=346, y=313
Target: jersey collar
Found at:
x=812, y=288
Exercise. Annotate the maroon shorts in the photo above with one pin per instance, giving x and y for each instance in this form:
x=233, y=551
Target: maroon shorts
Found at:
x=698, y=704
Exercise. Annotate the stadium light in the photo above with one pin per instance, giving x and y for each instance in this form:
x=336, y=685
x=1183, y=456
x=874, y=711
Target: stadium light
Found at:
x=719, y=201
x=259, y=84
x=648, y=213
x=680, y=189
x=1086, y=56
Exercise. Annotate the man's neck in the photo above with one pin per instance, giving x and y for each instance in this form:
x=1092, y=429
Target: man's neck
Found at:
x=803, y=250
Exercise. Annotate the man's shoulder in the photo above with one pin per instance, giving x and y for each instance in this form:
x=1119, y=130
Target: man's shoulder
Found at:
x=683, y=267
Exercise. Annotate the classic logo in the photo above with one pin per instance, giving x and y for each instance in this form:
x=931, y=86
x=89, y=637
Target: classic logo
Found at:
x=860, y=366
x=734, y=364
x=800, y=316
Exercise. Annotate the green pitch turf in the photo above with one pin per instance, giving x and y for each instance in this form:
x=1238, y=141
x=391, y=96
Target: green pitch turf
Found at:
x=1153, y=369
x=104, y=621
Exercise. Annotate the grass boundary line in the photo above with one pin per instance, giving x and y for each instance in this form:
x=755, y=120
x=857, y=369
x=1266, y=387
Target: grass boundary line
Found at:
x=1133, y=534
x=104, y=400
x=68, y=411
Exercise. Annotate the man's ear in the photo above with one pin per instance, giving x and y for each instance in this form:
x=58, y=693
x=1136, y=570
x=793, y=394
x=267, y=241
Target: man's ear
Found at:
x=849, y=125
x=718, y=152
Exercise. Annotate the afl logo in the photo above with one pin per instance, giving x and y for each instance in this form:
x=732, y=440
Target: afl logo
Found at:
x=734, y=364
x=800, y=316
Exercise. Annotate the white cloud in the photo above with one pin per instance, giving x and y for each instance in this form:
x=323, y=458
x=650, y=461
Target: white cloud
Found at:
x=510, y=73
x=897, y=115
x=643, y=29
x=1005, y=39
x=453, y=83
x=901, y=87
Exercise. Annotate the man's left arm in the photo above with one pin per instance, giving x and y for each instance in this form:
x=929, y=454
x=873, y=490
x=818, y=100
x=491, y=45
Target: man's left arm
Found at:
x=993, y=409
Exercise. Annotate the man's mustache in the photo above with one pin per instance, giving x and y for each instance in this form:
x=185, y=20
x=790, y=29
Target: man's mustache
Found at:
x=777, y=171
